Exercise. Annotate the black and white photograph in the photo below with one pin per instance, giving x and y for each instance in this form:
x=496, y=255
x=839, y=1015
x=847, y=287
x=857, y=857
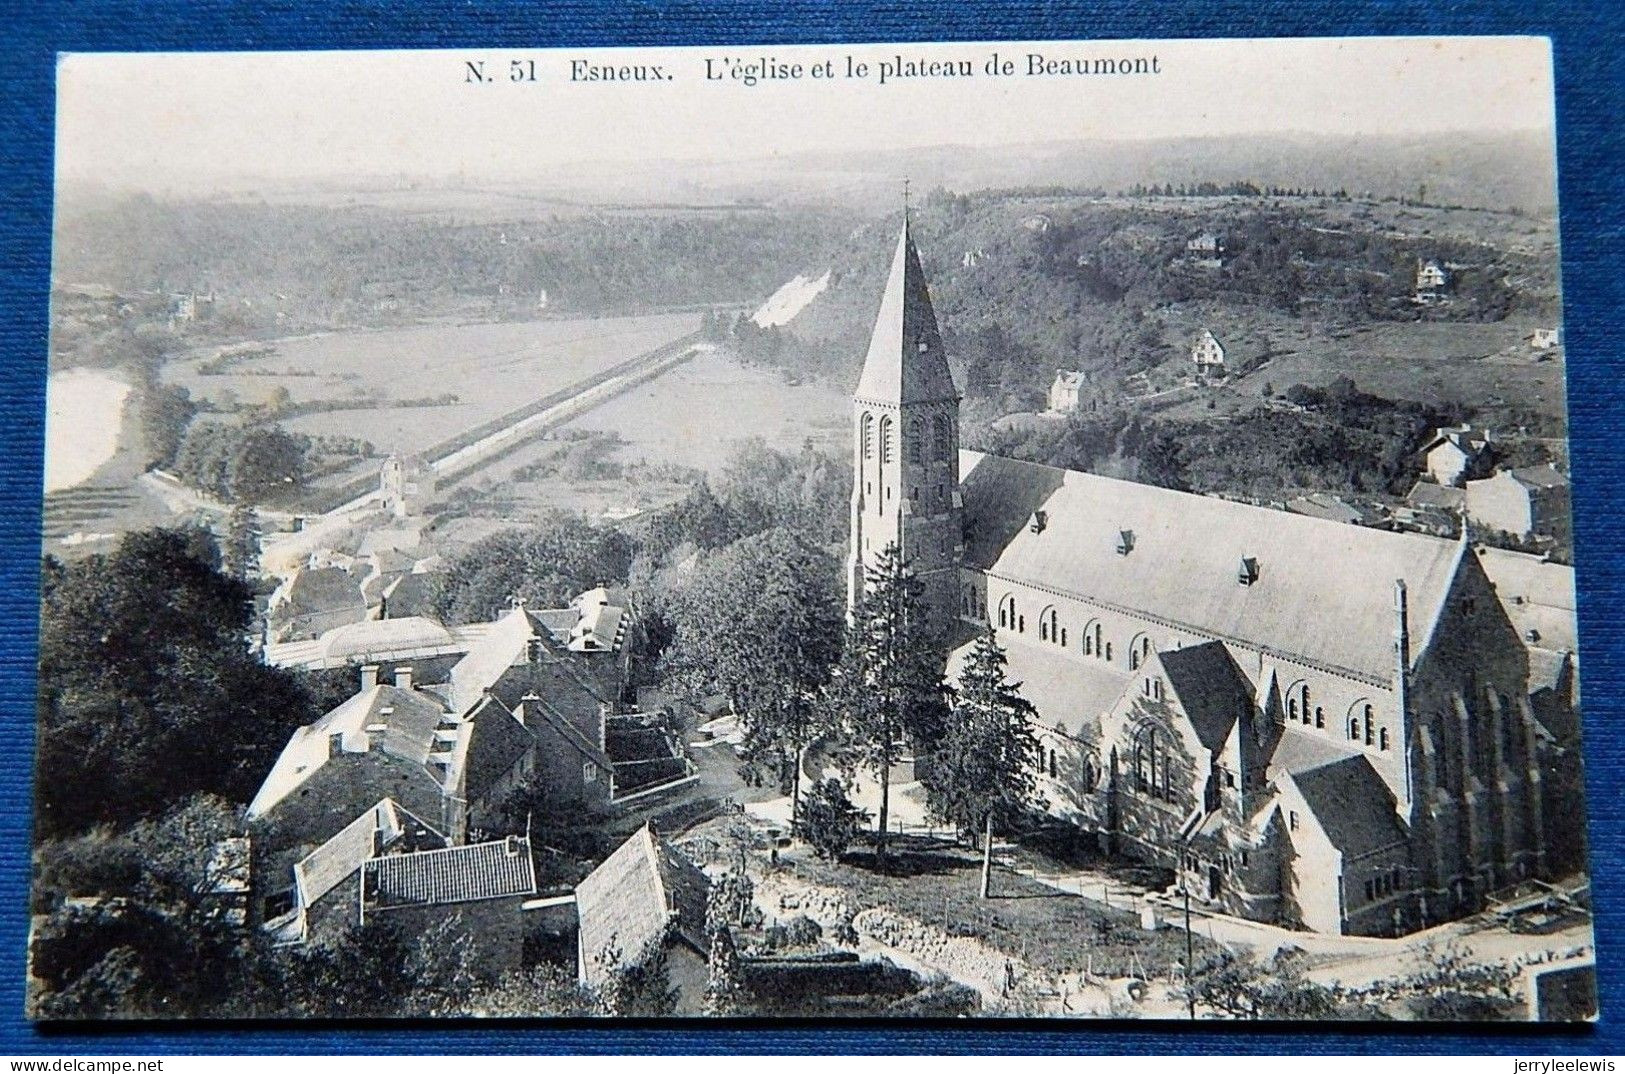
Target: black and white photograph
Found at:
x=1018, y=530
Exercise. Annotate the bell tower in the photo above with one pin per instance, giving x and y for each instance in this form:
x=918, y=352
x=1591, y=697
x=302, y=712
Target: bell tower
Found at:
x=905, y=444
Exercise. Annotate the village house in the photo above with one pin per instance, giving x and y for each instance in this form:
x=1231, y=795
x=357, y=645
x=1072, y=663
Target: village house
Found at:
x=1318, y=724
x=406, y=485
x=644, y=896
x=1067, y=392
x=1524, y=502
x=1543, y=339
x=1206, y=250
x=313, y=600
x=1456, y=453
x=514, y=704
x=1332, y=509
x=1207, y=354
x=1432, y=280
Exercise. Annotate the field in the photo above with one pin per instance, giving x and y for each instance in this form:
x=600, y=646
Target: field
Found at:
x=489, y=369
x=693, y=415
x=1486, y=366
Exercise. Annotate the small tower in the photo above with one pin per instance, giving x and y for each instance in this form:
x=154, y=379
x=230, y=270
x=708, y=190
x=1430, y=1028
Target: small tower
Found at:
x=905, y=444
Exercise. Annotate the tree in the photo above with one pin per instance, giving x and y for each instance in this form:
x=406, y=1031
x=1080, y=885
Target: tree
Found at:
x=543, y=566
x=760, y=623
x=829, y=820
x=984, y=772
x=639, y=987
x=725, y=992
x=241, y=552
x=166, y=411
x=147, y=689
x=888, y=689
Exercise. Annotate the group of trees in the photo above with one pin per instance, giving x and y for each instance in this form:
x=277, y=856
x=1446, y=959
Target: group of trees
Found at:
x=148, y=693
x=241, y=463
x=542, y=566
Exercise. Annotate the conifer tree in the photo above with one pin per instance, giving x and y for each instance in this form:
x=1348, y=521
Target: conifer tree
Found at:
x=985, y=770
x=888, y=688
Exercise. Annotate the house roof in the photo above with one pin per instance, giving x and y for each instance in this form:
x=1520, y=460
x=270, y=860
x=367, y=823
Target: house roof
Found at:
x=1464, y=437
x=1068, y=378
x=906, y=362
x=401, y=723
x=1210, y=689
x=629, y=901
x=499, y=869
x=496, y=741
x=1328, y=507
x=491, y=655
x=1323, y=593
x=1539, y=477
x=1352, y=805
x=313, y=590
x=408, y=595
x=1433, y=494
x=1537, y=595
x=374, y=831
x=379, y=638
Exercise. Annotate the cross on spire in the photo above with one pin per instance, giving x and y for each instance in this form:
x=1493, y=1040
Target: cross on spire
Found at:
x=905, y=197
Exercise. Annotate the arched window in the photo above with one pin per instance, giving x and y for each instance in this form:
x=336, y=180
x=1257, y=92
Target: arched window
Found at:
x=1139, y=651
x=1049, y=626
x=867, y=434
x=1007, y=612
x=1354, y=729
x=1303, y=700
x=944, y=437
x=1320, y=716
x=886, y=440
x=1089, y=774
x=1382, y=739
x=1091, y=638
x=1108, y=651
x=914, y=435
x=1051, y=764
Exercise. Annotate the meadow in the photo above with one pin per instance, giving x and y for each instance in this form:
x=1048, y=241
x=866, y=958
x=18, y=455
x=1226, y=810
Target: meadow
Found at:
x=465, y=373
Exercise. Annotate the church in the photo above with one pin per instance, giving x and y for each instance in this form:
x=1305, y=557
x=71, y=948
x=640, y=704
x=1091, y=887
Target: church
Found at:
x=1314, y=724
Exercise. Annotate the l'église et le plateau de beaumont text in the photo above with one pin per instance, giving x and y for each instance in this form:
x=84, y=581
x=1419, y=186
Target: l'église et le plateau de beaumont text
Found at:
x=758, y=69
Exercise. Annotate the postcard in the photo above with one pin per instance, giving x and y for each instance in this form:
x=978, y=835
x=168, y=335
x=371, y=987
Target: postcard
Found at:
x=1052, y=529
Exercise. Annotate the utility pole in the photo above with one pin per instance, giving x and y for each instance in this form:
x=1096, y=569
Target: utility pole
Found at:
x=987, y=853
x=1190, y=952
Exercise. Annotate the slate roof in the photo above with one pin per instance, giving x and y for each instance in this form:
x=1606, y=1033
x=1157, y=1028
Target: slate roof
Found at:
x=1066, y=691
x=1539, y=477
x=322, y=589
x=630, y=899
x=906, y=362
x=1323, y=593
x=496, y=741
x=403, y=724
x=491, y=655
x=1432, y=494
x=499, y=869
x=1209, y=687
x=372, y=832
x=1537, y=595
x=1352, y=805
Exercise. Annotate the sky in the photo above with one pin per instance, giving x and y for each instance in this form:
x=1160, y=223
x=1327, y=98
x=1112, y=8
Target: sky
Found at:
x=178, y=121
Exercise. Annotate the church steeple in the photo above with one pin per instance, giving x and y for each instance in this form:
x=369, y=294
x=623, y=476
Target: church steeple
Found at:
x=906, y=362
x=905, y=442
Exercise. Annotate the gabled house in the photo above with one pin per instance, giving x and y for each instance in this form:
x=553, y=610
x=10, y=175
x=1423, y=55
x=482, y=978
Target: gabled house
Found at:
x=646, y=895
x=1456, y=453
x=314, y=600
x=1432, y=280
x=1525, y=501
x=1207, y=354
x=1065, y=391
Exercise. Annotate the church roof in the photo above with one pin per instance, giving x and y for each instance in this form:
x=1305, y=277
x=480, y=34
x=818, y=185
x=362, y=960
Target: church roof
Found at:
x=1352, y=805
x=906, y=362
x=1210, y=688
x=1321, y=592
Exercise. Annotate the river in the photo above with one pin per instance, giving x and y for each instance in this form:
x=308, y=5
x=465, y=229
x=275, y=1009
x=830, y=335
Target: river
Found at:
x=84, y=409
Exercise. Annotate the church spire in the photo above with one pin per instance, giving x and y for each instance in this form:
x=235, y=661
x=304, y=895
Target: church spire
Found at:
x=906, y=362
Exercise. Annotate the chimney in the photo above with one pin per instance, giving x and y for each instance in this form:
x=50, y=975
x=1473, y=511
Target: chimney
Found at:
x=369, y=676
x=403, y=678
x=530, y=700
